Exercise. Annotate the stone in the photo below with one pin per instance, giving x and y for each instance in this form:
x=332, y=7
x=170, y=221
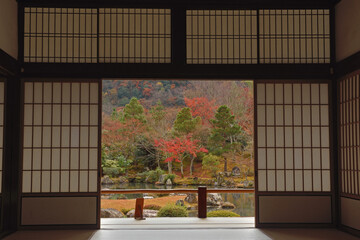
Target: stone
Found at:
x=227, y=205
x=168, y=182
x=235, y=171
x=190, y=198
x=147, y=213
x=111, y=213
x=162, y=178
x=122, y=180
x=213, y=199
x=180, y=202
x=106, y=180
x=227, y=174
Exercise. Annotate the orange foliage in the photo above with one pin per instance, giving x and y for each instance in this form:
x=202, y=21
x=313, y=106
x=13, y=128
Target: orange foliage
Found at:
x=130, y=203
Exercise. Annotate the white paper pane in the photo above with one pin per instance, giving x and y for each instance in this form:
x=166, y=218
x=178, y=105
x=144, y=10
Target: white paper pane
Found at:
x=306, y=137
x=65, y=136
x=315, y=115
x=317, y=180
x=93, y=159
x=262, y=182
x=26, y=185
x=64, y=175
x=94, y=92
x=74, y=160
x=36, y=183
x=280, y=180
x=324, y=94
x=66, y=92
x=55, y=181
x=261, y=137
x=297, y=115
x=298, y=157
x=94, y=137
x=46, y=159
x=289, y=180
x=297, y=93
x=288, y=115
x=45, y=181
x=85, y=92
x=298, y=180
x=84, y=115
x=74, y=181
x=75, y=93
x=83, y=181
x=279, y=115
x=326, y=180
x=271, y=180
x=75, y=136
x=261, y=93
x=93, y=181
x=308, y=180
x=261, y=114
x=315, y=94
x=28, y=92
x=288, y=93
x=28, y=114
x=94, y=115
x=279, y=94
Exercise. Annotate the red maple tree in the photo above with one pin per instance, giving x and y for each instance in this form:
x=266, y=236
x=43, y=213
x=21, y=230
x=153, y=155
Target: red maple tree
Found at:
x=178, y=149
x=201, y=107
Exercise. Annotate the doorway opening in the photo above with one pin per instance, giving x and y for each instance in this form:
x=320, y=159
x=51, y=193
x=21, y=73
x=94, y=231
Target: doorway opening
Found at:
x=161, y=137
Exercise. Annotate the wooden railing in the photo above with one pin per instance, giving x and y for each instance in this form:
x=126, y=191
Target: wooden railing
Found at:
x=201, y=191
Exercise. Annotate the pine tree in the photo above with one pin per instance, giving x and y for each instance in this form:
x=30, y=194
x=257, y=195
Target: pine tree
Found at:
x=134, y=110
x=184, y=123
x=225, y=132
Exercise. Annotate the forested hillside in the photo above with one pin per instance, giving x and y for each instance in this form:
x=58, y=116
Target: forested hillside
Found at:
x=190, y=128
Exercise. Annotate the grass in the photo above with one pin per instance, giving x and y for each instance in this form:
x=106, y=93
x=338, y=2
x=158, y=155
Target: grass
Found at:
x=130, y=203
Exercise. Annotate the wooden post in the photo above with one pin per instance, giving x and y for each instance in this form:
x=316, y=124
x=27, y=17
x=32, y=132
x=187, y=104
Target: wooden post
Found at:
x=202, y=202
x=139, y=207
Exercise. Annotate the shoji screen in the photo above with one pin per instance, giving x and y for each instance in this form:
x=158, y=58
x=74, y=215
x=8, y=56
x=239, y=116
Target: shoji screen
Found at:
x=57, y=35
x=293, y=157
x=128, y=35
x=61, y=142
x=221, y=36
x=2, y=99
x=294, y=36
x=350, y=150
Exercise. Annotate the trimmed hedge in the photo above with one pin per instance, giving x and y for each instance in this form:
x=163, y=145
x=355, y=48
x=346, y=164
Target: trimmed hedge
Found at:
x=222, y=213
x=172, y=210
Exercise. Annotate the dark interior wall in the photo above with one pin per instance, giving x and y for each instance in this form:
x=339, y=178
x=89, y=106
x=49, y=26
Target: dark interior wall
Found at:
x=348, y=65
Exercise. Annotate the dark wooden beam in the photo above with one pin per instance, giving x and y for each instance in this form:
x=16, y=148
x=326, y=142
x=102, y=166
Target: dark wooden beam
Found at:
x=185, y=3
x=193, y=71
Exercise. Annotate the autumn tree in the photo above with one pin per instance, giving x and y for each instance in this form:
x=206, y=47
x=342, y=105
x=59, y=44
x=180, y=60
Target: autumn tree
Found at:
x=226, y=133
x=177, y=149
x=201, y=107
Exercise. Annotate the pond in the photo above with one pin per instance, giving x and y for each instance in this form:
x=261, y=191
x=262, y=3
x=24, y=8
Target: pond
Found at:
x=244, y=202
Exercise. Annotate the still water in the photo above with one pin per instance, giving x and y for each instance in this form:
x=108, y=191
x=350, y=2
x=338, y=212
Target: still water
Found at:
x=244, y=202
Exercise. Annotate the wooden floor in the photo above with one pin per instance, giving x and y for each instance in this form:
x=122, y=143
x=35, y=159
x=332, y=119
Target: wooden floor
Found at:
x=184, y=229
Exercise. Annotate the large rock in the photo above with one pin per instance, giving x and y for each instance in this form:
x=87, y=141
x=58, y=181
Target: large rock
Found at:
x=227, y=205
x=213, y=199
x=180, y=202
x=148, y=213
x=235, y=171
x=168, y=182
x=191, y=198
x=162, y=178
x=122, y=180
x=111, y=213
x=106, y=180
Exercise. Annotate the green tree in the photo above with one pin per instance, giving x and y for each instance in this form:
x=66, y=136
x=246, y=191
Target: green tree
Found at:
x=211, y=162
x=184, y=123
x=134, y=110
x=225, y=133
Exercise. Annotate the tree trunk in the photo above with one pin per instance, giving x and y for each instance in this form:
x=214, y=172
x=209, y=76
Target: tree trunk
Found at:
x=182, y=169
x=191, y=165
x=169, y=167
x=157, y=159
x=225, y=165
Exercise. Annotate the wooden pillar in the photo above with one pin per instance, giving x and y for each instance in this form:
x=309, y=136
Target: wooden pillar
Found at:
x=202, y=202
x=139, y=207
